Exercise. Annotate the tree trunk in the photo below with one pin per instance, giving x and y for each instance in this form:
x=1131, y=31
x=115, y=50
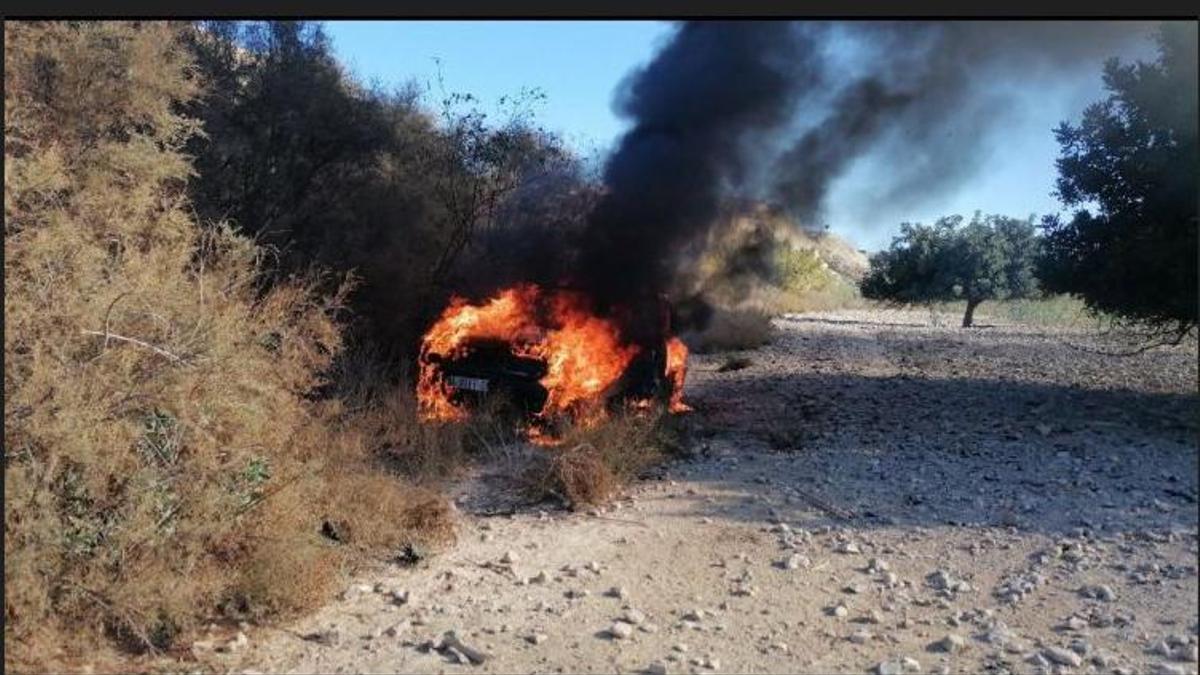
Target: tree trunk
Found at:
x=969, y=317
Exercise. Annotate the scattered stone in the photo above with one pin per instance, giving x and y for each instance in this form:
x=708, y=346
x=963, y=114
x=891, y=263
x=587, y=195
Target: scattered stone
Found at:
x=795, y=561
x=536, y=638
x=656, y=669
x=944, y=581
x=848, y=547
x=877, y=565
x=860, y=637
x=889, y=668
x=898, y=666
x=239, y=642
x=1161, y=649
x=617, y=592
x=620, y=630
x=540, y=578
x=1036, y=659
x=1100, y=592
x=951, y=644
x=634, y=617
x=1063, y=657
x=838, y=611
x=509, y=558
x=1189, y=653
x=466, y=654
x=999, y=635
x=325, y=638
x=1166, y=669
x=873, y=617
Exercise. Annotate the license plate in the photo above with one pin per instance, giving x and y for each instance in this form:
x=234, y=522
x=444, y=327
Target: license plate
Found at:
x=470, y=383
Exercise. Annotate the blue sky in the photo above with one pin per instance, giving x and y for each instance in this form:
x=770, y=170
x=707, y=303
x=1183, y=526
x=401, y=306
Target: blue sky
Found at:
x=579, y=64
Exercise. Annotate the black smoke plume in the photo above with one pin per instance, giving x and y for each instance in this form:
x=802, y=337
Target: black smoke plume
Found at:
x=765, y=110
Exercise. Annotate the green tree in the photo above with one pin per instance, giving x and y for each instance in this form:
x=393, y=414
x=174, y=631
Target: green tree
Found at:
x=1132, y=163
x=990, y=258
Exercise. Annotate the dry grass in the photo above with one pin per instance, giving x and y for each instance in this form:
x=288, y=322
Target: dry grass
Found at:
x=592, y=465
x=167, y=458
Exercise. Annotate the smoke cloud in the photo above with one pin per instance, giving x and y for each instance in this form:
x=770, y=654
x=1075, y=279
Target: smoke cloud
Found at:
x=778, y=111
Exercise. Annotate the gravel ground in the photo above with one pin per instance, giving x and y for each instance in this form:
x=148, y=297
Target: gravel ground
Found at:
x=872, y=493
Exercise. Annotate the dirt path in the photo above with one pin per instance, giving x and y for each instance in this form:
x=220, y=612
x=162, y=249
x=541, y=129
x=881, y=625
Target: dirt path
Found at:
x=872, y=493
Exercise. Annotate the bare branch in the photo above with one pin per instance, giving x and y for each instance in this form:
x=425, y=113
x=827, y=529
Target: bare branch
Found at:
x=157, y=350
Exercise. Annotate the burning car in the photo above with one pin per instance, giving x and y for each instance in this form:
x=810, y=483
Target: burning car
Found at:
x=546, y=354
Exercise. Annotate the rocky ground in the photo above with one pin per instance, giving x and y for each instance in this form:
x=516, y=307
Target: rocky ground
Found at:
x=871, y=493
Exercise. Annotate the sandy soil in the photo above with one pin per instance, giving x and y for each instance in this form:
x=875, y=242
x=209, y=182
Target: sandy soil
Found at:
x=872, y=493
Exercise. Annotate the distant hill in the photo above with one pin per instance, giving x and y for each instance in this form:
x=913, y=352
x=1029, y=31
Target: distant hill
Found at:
x=839, y=254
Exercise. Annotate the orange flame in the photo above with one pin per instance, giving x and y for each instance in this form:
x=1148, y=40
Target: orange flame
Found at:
x=583, y=353
x=677, y=354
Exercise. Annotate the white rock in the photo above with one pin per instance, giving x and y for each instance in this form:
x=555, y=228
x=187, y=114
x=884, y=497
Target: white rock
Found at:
x=634, y=617
x=1063, y=657
x=860, y=637
x=1188, y=653
x=796, y=561
x=848, y=547
x=889, y=668
x=951, y=643
x=509, y=558
x=536, y=638
x=620, y=630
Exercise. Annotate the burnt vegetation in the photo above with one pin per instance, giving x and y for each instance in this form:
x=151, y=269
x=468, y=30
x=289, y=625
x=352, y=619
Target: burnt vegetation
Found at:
x=222, y=253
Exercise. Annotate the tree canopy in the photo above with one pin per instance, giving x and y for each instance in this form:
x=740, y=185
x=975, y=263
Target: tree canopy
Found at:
x=1130, y=166
x=349, y=177
x=990, y=258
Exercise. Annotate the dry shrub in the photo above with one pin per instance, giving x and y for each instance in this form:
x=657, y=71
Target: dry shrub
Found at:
x=283, y=577
x=733, y=329
x=164, y=449
x=384, y=410
x=426, y=453
x=592, y=464
x=837, y=294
